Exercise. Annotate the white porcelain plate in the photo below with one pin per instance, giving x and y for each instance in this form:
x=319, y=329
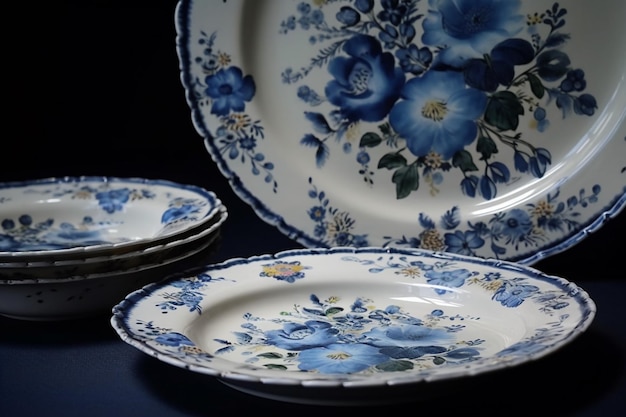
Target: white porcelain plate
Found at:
x=76, y=217
x=321, y=325
x=486, y=128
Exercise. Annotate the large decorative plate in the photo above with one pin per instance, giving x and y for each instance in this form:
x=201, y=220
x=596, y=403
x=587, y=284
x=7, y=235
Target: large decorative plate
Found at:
x=479, y=127
x=304, y=321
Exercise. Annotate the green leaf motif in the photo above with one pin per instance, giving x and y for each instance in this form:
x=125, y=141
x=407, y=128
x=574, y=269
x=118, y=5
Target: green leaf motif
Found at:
x=392, y=161
x=276, y=366
x=370, y=139
x=395, y=366
x=503, y=110
x=333, y=310
x=270, y=355
x=406, y=180
x=438, y=360
x=536, y=86
x=486, y=146
x=463, y=160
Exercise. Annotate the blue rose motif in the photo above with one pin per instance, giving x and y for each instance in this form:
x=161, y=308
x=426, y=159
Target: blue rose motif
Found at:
x=365, y=84
x=229, y=90
x=340, y=358
x=437, y=113
x=467, y=29
x=296, y=336
x=113, y=200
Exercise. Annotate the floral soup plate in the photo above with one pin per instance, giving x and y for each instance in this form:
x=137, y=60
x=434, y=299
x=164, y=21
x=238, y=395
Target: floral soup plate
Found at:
x=158, y=254
x=73, y=218
x=322, y=325
x=68, y=297
x=486, y=128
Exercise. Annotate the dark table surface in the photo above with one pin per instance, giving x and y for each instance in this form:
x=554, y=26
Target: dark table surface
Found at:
x=103, y=97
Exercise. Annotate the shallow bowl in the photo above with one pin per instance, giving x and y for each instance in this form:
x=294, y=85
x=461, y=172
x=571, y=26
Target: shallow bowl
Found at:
x=72, y=218
x=78, y=296
x=61, y=269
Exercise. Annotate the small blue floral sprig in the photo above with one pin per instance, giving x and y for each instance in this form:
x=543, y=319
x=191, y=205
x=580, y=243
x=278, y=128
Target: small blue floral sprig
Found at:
x=516, y=228
x=189, y=294
x=173, y=343
x=456, y=94
x=225, y=90
x=442, y=275
x=332, y=226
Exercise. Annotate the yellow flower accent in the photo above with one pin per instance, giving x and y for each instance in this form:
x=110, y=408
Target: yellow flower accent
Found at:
x=135, y=195
x=353, y=132
x=82, y=194
x=493, y=286
x=433, y=189
x=194, y=350
x=339, y=355
x=409, y=272
x=534, y=19
x=237, y=121
x=333, y=299
x=435, y=110
x=543, y=209
x=341, y=223
x=431, y=239
x=433, y=160
x=223, y=59
x=281, y=269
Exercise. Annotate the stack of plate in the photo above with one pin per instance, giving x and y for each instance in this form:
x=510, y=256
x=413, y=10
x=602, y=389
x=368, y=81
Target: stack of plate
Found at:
x=73, y=246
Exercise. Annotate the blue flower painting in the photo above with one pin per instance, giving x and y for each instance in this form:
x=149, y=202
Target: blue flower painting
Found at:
x=437, y=114
x=229, y=90
x=445, y=83
x=428, y=107
x=366, y=83
x=329, y=337
x=226, y=90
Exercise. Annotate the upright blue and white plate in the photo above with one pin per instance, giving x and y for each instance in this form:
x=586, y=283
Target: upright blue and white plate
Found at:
x=353, y=325
x=478, y=127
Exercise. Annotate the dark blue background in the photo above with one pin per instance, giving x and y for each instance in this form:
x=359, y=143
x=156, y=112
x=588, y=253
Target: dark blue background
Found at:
x=96, y=91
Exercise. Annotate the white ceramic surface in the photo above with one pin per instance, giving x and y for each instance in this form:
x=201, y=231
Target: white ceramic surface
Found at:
x=81, y=296
x=324, y=326
x=478, y=127
x=76, y=217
